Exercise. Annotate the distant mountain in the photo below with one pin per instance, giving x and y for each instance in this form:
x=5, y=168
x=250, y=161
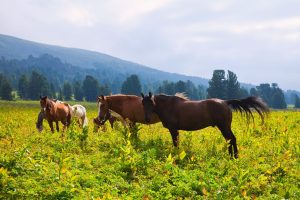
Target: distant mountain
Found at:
x=89, y=61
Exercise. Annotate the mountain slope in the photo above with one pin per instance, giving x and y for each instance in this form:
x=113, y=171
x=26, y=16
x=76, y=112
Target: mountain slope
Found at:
x=15, y=48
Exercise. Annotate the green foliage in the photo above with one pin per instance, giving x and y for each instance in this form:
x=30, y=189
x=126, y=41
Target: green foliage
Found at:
x=142, y=163
x=90, y=88
x=217, y=85
x=225, y=88
x=132, y=85
x=297, y=102
x=188, y=87
x=5, y=88
x=38, y=85
x=273, y=96
x=67, y=91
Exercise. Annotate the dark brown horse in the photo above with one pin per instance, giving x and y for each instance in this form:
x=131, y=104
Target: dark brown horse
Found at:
x=55, y=112
x=178, y=113
x=124, y=107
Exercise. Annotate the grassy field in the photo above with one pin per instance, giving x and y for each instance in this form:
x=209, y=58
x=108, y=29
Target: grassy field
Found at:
x=119, y=165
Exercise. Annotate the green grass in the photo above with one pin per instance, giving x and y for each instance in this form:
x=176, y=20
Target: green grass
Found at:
x=118, y=165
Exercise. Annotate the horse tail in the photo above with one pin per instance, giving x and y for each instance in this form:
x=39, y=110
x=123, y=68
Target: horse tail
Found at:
x=245, y=105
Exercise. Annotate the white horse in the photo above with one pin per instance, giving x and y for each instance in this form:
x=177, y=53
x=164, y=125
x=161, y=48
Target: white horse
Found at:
x=79, y=112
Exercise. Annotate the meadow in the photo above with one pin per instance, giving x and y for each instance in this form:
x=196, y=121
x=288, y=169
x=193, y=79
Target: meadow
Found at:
x=143, y=164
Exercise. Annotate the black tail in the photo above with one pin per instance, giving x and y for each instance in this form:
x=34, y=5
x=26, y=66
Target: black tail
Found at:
x=245, y=105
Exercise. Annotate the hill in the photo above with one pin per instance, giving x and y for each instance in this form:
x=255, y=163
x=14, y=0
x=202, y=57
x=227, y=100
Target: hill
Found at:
x=88, y=61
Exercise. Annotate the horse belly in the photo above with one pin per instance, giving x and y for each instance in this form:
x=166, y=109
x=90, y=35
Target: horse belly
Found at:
x=194, y=121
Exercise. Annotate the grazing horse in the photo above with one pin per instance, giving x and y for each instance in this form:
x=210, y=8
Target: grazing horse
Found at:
x=79, y=112
x=39, y=123
x=55, y=112
x=98, y=123
x=123, y=107
x=177, y=113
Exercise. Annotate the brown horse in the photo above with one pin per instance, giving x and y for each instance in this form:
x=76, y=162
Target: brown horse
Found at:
x=98, y=123
x=178, y=113
x=55, y=112
x=123, y=107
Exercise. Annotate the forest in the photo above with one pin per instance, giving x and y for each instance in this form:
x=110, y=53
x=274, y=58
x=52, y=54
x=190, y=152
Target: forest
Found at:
x=47, y=75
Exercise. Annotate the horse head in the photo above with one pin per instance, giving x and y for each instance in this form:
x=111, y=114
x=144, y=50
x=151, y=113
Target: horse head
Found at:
x=148, y=104
x=39, y=123
x=103, y=106
x=45, y=103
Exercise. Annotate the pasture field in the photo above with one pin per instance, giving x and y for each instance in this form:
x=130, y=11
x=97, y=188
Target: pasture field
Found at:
x=144, y=164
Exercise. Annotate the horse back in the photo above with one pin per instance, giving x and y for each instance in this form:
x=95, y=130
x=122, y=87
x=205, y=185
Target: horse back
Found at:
x=131, y=108
x=193, y=115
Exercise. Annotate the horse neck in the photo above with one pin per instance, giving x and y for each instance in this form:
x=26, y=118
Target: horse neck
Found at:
x=115, y=103
x=161, y=102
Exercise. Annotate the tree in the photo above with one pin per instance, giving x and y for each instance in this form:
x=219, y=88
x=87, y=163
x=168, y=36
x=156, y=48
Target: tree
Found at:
x=23, y=86
x=217, y=85
x=253, y=92
x=38, y=85
x=132, y=85
x=277, y=99
x=78, y=93
x=104, y=90
x=297, y=101
x=90, y=88
x=67, y=91
x=5, y=88
x=180, y=86
x=232, y=86
x=243, y=93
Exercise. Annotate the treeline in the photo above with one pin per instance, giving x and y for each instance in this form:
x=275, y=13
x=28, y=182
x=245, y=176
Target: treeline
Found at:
x=31, y=87
x=188, y=87
x=221, y=85
x=229, y=88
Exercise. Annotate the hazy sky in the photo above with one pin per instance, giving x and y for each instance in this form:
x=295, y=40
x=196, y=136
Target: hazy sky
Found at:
x=259, y=40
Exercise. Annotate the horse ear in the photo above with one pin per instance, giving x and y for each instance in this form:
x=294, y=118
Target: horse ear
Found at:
x=142, y=95
x=150, y=94
x=102, y=97
x=41, y=97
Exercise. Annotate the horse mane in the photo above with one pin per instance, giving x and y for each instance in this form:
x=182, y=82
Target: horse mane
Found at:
x=181, y=95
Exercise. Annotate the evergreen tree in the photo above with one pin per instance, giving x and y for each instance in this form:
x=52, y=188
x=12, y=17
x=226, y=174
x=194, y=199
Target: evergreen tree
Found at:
x=5, y=88
x=217, y=85
x=297, y=102
x=78, y=93
x=67, y=91
x=104, y=90
x=201, y=92
x=38, y=85
x=90, y=88
x=180, y=86
x=60, y=95
x=132, y=85
x=253, y=92
x=277, y=99
x=243, y=93
x=233, y=86
x=52, y=91
x=23, y=86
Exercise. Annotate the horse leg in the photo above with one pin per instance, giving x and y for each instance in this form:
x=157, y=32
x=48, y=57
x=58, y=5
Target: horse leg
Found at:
x=51, y=126
x=57, y=126
x=175, y=136
x=228, y=135
x=68, y=119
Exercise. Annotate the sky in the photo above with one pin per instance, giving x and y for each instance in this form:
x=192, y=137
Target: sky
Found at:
x=259, y=40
